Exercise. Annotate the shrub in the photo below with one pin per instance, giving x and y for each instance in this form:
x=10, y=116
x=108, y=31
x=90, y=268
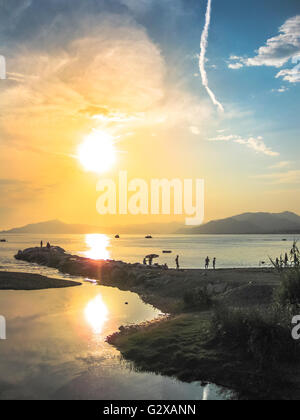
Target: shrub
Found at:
x=288, y=293
x=265, y=338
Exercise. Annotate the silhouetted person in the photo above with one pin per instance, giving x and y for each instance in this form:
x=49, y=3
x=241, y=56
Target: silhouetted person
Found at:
x=207, y=261
x=42, y=244
x=177, y=262
x=150, y=260
x=214, y=263
x=145, y=261
x=277, y=262
x=48, y=245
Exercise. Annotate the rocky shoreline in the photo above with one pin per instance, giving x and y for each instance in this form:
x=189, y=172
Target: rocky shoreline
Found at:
x=163, y=288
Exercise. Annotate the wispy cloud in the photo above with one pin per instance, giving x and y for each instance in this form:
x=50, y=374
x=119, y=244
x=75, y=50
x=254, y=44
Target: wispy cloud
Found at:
x=195, y=130
x=281, y=165
x=277, y=52
x=109, y=74
x=202, y=58
x=282, y=89
x=255, y=143
x=235, y=66
x=14, y=190
x=289, y=177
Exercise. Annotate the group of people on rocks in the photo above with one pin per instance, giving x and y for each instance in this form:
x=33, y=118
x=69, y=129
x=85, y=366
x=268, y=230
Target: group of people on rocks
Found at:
x=207, y=262
x=48, y=246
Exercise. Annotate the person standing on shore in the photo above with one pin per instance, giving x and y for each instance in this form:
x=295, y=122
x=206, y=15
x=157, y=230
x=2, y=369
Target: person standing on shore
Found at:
x=207, y=261
x=42, y=244
x=214, y=263
x=177, y=262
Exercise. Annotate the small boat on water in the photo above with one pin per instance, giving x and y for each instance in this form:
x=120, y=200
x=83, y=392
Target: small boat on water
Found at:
x=167, y=252
x=284, y=240
x=117, y=236
x=148, y=237
x=3, y=240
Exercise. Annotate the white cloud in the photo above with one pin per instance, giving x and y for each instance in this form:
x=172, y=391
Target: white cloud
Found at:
x=255, y=143
x=235, y=66
x=290, y=75
x=202, y=58
x=277, y=52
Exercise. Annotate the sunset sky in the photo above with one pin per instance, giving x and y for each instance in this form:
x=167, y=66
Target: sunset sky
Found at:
x=131, y=69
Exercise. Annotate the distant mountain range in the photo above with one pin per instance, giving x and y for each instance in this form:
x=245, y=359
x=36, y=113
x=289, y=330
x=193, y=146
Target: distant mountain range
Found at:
x=58, y=227
x=247, y=223
x=250, y=223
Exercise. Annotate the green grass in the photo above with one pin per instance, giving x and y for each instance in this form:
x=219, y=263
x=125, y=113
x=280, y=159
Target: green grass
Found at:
x=185, y=347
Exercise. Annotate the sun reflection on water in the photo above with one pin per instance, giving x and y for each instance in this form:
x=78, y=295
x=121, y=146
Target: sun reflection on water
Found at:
x=96, y=314
x=98, y=244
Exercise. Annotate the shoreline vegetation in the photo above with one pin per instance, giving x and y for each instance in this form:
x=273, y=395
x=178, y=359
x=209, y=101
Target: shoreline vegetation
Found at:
x=27, y=281
x=231, y=327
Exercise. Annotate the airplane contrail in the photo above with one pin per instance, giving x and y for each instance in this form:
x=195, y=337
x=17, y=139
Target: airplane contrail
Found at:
x=203, y=48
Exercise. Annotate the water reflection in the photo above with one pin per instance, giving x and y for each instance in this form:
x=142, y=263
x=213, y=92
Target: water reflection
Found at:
x=98, y=244
x=96, y=314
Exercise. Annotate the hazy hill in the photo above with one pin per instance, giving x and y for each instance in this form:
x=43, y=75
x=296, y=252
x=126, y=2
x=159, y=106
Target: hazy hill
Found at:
x=250, y=223
x=58, y=227
x=247, y=223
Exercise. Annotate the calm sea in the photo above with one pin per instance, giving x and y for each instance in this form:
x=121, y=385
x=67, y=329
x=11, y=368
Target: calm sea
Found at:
x=230, y=250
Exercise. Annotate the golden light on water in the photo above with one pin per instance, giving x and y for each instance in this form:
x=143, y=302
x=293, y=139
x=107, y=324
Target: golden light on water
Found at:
x=97, y=153
x=96, y=314
x=97, y=244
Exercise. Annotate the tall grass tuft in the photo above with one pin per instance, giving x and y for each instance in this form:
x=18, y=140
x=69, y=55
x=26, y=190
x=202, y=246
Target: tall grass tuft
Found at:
x=263, y=337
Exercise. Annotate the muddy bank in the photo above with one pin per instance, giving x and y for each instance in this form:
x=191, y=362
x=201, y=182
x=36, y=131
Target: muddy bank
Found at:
x=26, y=281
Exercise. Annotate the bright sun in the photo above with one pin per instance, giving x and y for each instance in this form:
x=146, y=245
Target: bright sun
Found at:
x=97, y=152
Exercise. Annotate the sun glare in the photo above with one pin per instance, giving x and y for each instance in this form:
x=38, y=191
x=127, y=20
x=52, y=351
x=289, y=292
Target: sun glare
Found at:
x=97, y=244
x=96, y=314
x=97, y=152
